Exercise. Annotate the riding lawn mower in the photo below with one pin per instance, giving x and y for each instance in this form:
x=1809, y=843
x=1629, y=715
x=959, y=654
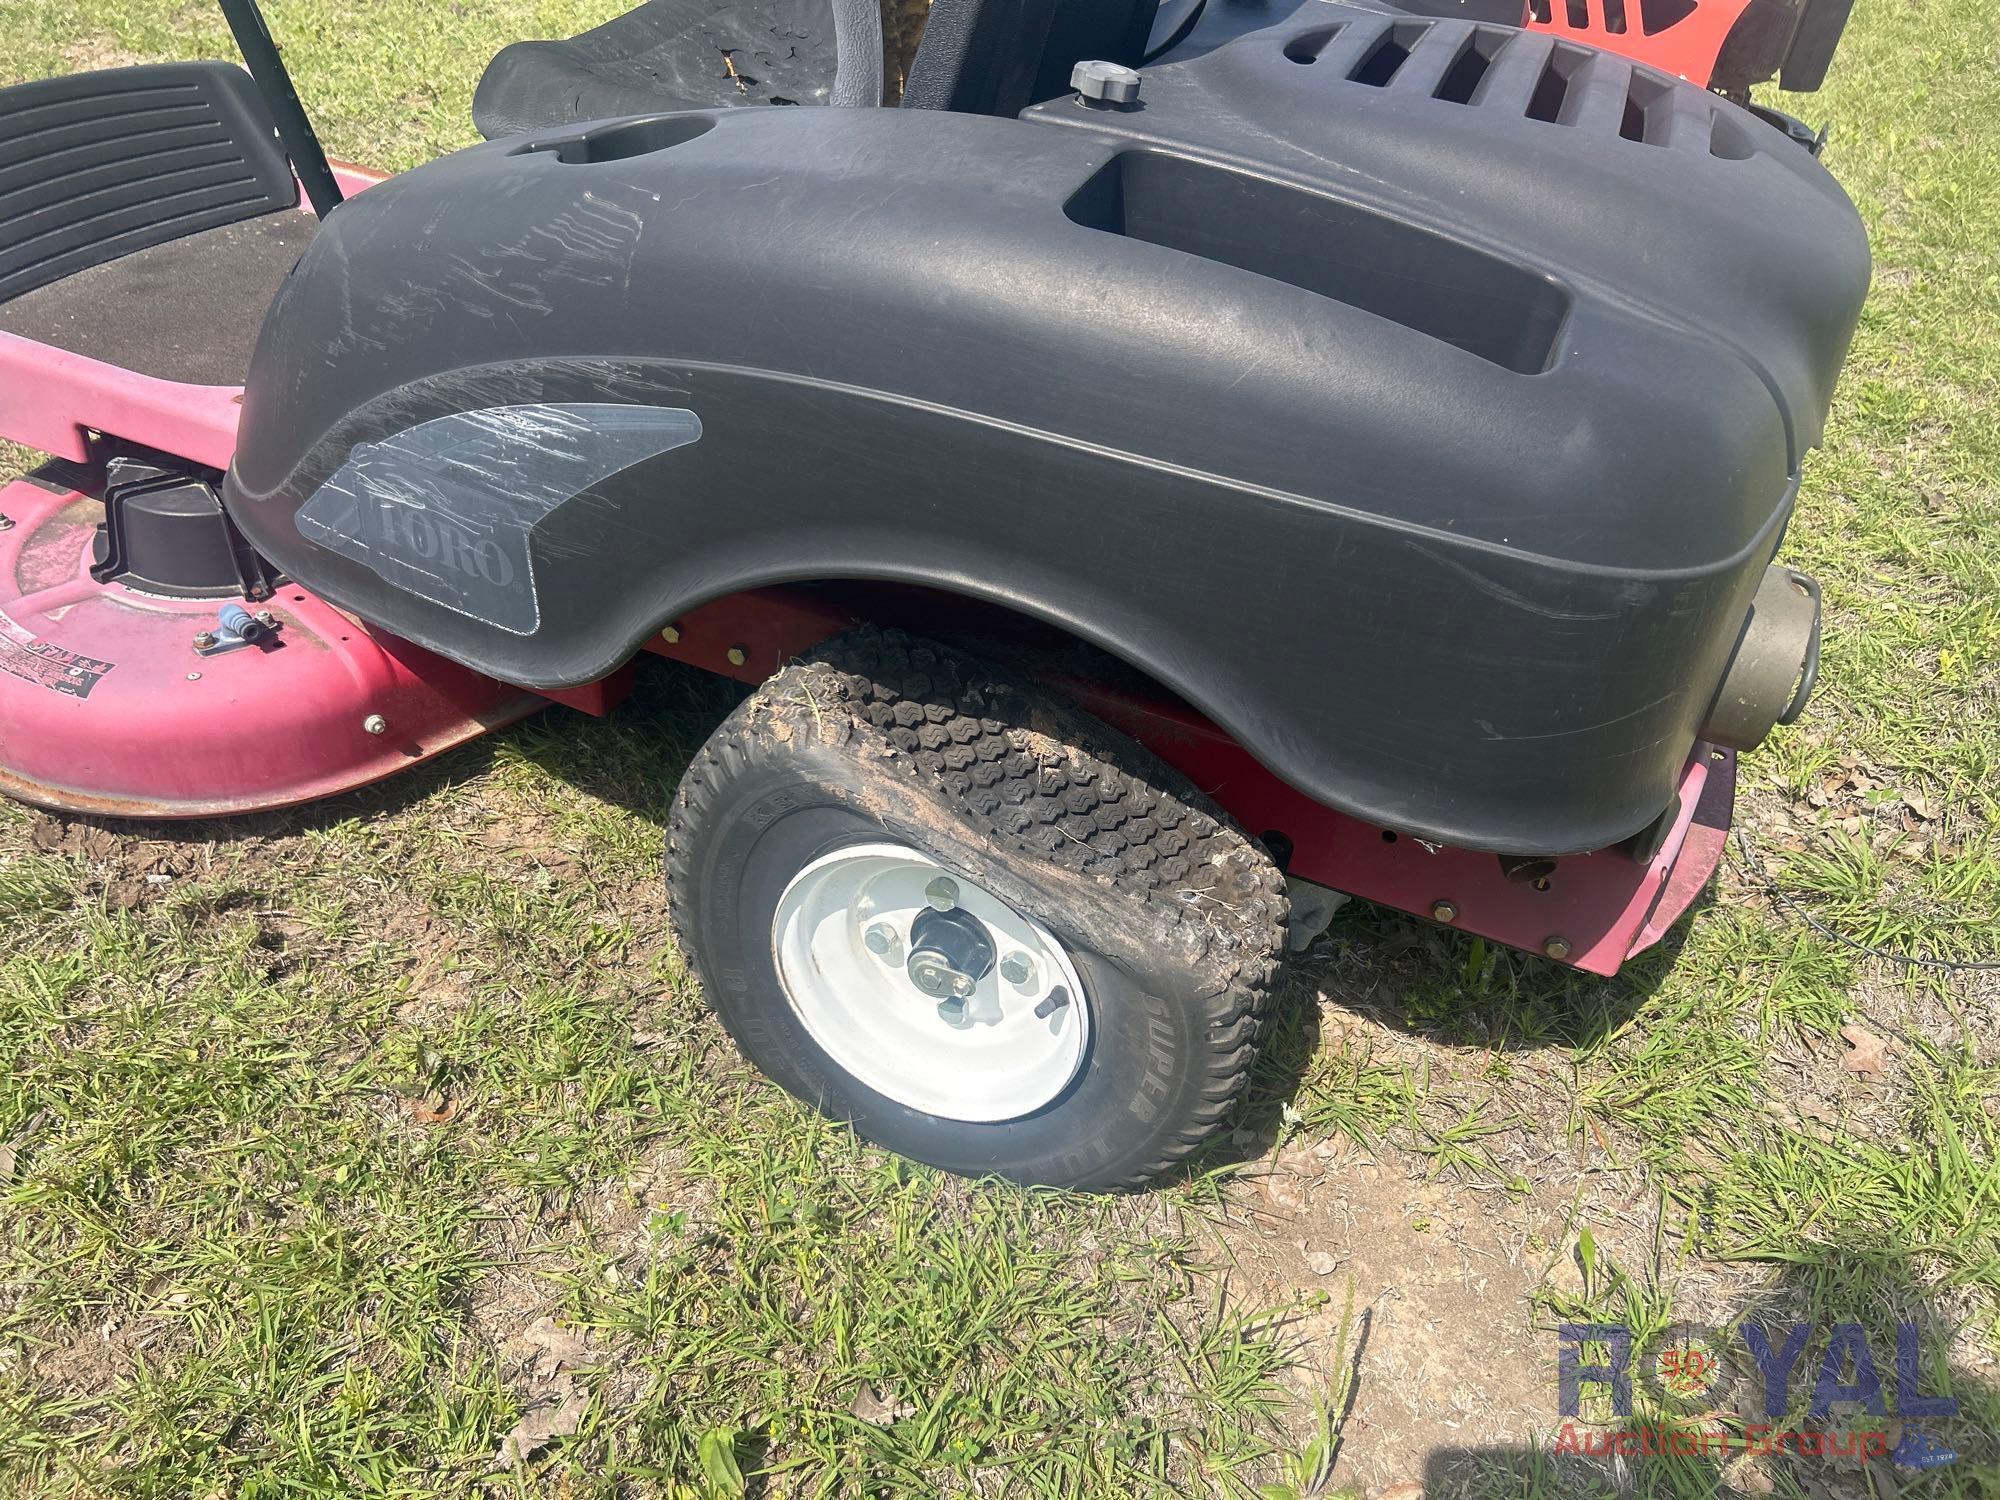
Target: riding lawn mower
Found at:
x=1179, y=464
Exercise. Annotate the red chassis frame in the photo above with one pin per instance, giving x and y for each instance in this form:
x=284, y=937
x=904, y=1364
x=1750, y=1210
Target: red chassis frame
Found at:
x=105, y=709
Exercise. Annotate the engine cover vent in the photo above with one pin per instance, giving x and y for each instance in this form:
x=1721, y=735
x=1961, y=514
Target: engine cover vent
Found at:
x=1521, y=73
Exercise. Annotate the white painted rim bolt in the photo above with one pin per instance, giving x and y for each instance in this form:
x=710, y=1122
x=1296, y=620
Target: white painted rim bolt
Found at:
x=889, y=964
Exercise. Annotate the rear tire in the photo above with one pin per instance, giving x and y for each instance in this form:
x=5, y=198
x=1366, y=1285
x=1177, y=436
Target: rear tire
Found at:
x=882, y=751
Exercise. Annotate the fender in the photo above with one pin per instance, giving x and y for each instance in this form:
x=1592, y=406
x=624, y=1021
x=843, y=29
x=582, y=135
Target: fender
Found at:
x=1435, y=498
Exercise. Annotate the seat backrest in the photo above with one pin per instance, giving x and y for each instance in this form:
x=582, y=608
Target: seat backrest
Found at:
x=98, y=165
x=996, y=57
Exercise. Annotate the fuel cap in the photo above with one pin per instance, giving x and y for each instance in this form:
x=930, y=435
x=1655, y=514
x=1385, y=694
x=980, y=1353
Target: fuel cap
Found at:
x=1104, y=83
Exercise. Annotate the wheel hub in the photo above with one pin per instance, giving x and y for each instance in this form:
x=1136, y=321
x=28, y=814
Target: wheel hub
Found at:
x=927, y=988
x=953, y=953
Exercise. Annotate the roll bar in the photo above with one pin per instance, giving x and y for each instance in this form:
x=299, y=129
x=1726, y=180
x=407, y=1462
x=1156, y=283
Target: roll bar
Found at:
x=274, y=83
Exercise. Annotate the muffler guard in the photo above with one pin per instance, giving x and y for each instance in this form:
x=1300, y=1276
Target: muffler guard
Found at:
x=1776, y=662
x=108, y=705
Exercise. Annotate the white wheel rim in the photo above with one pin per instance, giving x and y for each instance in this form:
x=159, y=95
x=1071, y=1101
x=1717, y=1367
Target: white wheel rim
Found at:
x=994, y=1058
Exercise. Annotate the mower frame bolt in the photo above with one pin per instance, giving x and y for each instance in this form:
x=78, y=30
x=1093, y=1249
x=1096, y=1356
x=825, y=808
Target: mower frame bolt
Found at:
x=737, y=656
x=6, y=523
x=204, y=640
x=671, y=635
x=1018, y=969
x=942, y=893
x=1444, y=911
x=375, y=724
x=1557, y=947
x=265, y=617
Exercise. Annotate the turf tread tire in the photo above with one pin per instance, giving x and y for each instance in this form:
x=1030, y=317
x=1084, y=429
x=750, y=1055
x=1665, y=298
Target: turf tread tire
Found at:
x=1038, y=782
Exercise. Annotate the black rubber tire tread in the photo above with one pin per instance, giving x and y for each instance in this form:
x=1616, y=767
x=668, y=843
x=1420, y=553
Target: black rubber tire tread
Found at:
x=1039, y=782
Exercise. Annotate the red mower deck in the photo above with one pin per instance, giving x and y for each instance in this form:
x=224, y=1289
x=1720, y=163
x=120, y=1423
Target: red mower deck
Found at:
x=107, y=708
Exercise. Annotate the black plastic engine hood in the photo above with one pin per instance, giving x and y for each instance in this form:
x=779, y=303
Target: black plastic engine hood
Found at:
x=1433, y=448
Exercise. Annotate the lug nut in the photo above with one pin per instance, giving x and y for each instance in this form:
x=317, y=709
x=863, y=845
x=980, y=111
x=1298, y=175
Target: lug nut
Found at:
x=1445, y=911
x=1556, y=947
x=1054, y=1001
x=942, y=893
x=881, y=939
x=951, y=1012
x=375, y=724
x=1018, y=968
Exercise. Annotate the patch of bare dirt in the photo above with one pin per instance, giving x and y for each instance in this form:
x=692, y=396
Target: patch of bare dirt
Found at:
x=98, y=1356
x=132, y=864
x=1442, y=1343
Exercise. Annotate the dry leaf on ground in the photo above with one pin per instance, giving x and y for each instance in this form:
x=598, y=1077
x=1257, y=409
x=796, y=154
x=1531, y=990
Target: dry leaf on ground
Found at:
x=1866, y=1052
x=558, y=1415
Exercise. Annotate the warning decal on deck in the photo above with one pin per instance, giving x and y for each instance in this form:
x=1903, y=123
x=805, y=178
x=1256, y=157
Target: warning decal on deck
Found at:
x=48, y=665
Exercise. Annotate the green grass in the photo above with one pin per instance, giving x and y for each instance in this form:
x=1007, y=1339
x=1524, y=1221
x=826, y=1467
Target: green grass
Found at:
x=308, y=1119
x=233, y=1156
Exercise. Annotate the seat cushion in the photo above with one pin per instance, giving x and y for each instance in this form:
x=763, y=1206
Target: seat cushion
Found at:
x=188, y=310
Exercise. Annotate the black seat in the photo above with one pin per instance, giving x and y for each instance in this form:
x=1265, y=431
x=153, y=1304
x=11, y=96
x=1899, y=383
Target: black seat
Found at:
x=188, y=309
x=96, y=166
x=980, y=56
x=666, y=54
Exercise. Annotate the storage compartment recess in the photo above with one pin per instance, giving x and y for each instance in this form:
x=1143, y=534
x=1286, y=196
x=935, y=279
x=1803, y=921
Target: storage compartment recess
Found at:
x=1504, y=313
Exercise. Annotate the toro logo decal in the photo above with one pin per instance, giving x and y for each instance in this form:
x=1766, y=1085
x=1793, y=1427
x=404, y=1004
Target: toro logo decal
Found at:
x=447, y=510
x=416, y=533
